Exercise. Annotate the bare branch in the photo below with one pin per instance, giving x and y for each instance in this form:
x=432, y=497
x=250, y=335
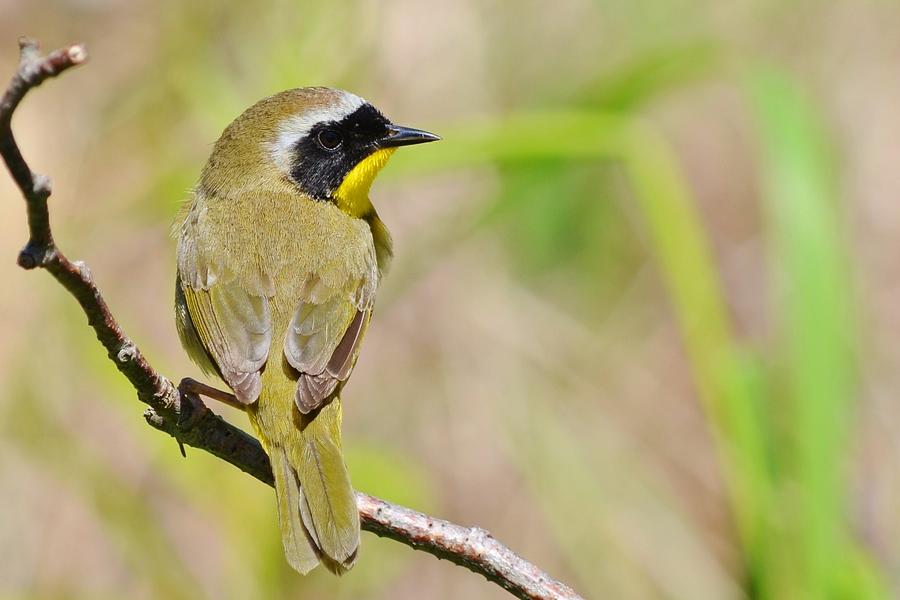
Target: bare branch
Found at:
x=186, y=418
x=469, y=547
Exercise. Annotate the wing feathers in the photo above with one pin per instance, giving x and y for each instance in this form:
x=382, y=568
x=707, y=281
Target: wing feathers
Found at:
x=322, y=343
x=236, y=329
x=344, y=356
x=312, y=390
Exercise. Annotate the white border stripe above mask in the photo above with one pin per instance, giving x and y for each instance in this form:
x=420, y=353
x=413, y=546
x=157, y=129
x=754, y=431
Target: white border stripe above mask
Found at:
x=293, y=129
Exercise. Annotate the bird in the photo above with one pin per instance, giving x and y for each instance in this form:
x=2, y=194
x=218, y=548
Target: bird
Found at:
x=280, y=254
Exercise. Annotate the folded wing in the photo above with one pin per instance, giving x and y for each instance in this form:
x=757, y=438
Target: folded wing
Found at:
x=322, y=344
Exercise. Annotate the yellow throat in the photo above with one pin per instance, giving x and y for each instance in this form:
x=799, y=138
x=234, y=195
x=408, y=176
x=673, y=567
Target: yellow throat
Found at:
x=352, y=196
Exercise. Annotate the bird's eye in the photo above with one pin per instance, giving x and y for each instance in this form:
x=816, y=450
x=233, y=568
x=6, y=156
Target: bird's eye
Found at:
x=329, y=139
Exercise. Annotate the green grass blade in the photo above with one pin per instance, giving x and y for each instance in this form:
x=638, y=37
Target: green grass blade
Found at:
x=808, y=253
x=728, y=381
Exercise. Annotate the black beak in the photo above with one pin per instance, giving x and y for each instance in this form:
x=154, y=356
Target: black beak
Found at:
x=405, y=136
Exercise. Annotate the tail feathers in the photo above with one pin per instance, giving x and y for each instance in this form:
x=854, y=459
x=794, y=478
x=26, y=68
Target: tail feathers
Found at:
x=338, y=568
x=328, y=505
x=300, y=549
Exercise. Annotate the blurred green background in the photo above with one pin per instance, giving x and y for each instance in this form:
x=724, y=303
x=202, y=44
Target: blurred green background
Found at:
x=641, y=324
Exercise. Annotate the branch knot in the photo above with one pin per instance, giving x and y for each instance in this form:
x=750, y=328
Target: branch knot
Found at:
x=41, y=186
x=127, y=351
x=35, y=255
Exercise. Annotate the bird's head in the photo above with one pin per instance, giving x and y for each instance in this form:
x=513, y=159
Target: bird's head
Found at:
x=325, y=143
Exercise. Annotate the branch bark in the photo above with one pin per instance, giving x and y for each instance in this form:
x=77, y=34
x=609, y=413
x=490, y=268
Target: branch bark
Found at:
x=187, y=419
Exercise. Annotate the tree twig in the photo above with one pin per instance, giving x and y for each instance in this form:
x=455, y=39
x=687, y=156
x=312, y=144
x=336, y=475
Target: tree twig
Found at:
x=186, y=418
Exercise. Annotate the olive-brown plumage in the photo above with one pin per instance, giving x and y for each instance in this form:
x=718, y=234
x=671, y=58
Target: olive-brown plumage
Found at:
x=280, y=254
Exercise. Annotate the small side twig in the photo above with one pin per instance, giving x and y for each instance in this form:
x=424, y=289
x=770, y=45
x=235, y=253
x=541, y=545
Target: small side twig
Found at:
x=187, y=419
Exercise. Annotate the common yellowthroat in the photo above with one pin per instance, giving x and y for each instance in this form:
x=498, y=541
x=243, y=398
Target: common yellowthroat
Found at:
x=280, y=253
